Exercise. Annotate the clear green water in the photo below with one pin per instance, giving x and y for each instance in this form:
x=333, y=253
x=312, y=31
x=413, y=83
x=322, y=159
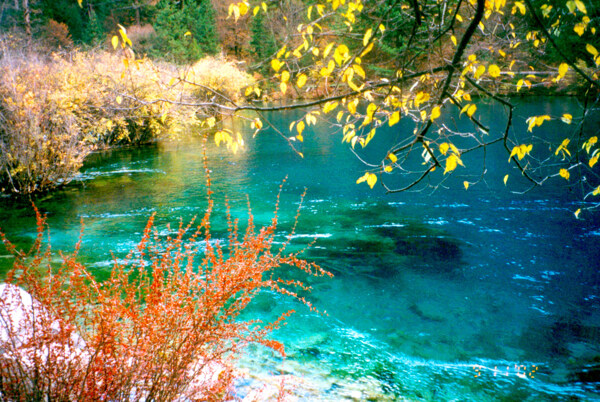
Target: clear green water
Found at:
x=452, y=295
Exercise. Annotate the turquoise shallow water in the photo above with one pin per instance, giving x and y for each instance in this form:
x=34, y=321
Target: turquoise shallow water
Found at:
x=451, y=295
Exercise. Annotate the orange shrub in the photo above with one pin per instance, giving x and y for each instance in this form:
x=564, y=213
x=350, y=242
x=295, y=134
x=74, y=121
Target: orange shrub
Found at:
x=164, y=326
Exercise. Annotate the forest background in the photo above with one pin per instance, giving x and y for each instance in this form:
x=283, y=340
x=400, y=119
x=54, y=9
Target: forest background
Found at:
x=83, y=75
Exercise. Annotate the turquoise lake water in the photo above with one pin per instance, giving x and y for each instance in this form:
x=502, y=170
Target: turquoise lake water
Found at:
x=449, y=295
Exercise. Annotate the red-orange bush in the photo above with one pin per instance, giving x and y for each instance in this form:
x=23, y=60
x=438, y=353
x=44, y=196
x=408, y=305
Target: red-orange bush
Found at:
x=164, y=326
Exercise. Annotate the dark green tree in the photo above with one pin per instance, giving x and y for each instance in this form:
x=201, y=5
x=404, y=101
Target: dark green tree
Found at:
x=262, y=40
x=185, y=31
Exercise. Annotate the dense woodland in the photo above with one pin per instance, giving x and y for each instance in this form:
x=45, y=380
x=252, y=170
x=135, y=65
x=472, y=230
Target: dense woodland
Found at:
x=158, y=28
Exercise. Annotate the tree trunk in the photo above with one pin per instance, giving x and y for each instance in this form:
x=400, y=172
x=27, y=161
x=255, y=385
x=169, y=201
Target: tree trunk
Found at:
x=27, y=17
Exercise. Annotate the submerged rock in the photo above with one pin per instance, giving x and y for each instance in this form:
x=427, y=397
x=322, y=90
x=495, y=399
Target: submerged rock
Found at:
x=589, y=373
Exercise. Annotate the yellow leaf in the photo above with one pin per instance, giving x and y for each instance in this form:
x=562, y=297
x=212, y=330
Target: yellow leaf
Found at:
x=243, y=8
x=579, y=29
x=80, y=3
x=235, y=10
x=300, y=138
x=519, y=85
x=328, y=49
x=577, y=213
x=341, y=54
x=362, y=178
x=255, y=11
x=596, y=191
x=534, y=121
x=387, y=169
x=371, y=109
x=466, y=184
x=330, y=66
x=520, y=6
x=479, y=71
x=593, y=161
x=435, y=113
x=283, y=87
x=367, y=50
x=564, y=173
x=580, y=6
x=285, y=76
x=281, y=52
x=359, y=70
x=394, y=118
x=453, y=39
x=505, y=179
x=264, y=6
x=276, y=64
x=115, y=41
x=393, y=158
x=494, y=71
x=300, y=127
x=329, y=106
x=352, y=106
x=562, y=69
x=367, y=36
x=211, y=121
x=589, y=144
x=258, y=123
x=591, y=49
x=119, y=99
x=563, y=148
x=301, y=80
x=444, y=148
x=567, y=118
x=451, y=162
x=467, y=97
x=371, y=180
x=421, y=97
x=471, y=110
x=520, y=151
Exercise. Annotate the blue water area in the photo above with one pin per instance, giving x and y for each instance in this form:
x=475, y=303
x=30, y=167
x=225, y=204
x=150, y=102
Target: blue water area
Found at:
x=439, y=294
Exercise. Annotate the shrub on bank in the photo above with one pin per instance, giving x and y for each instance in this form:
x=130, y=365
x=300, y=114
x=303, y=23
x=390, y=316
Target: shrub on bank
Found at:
x=55, y=109
x=164, y=326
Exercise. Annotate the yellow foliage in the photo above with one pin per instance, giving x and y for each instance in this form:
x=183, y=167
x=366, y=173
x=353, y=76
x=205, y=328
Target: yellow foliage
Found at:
x=534, y=121
x=452, y=162
x=520, y=151
x=219, y=75
x=494, y=71
x=59, y=109
x=370, y=178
